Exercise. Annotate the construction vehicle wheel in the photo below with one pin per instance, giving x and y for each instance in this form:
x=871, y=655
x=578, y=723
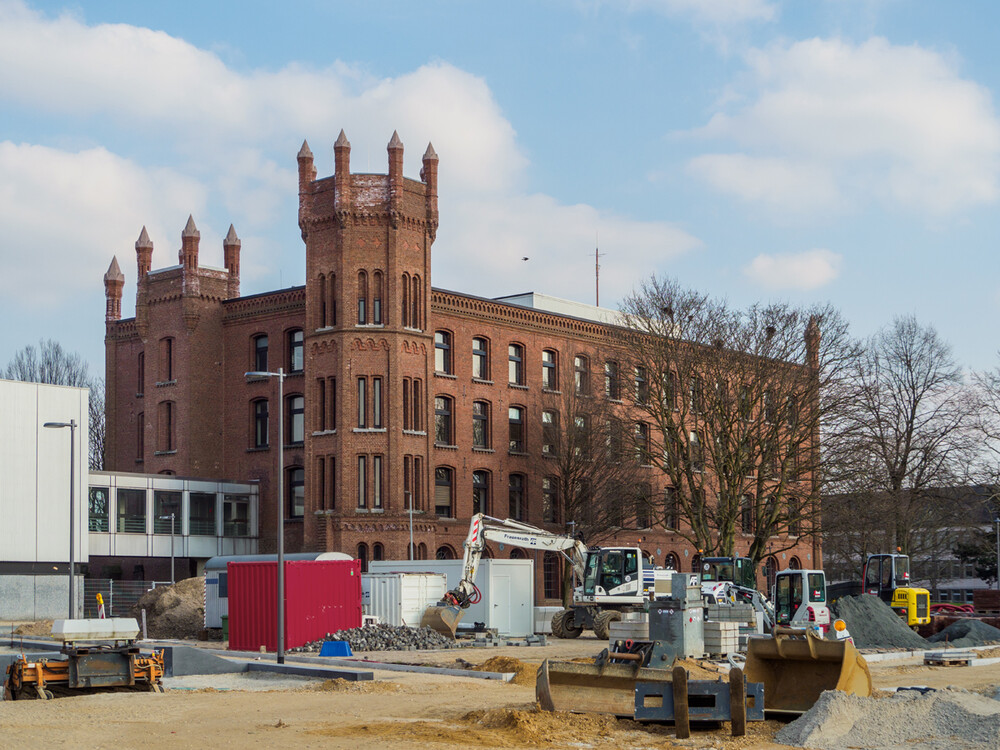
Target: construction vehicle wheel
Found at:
x=563, y=629
x=602, y=623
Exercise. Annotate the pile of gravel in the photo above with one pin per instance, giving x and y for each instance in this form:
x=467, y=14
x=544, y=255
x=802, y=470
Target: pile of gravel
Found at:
x=908, y=719
x=967, y=633
x=874, y=625
x=386, y=638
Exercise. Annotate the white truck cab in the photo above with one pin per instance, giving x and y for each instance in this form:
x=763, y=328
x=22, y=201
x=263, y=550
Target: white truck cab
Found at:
x=800, y=599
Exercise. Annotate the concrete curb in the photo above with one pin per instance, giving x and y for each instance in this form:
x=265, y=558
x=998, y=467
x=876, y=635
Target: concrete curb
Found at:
x=328, y=673
x=902, y=655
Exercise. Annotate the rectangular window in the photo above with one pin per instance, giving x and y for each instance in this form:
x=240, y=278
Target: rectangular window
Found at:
x=236, y=515
x=141, y=384
x=612, y=387
x=202, y=514
x=696, y=452
x=321, y=481
x=442, y=352
x=516, y=506
x=140, y=438
x=166, y=360
x=480, y=492
x=167, y=418
x=550, y=500
x=297, y=492
x=418, y=418
x=480, y=424
x=376, y=402
x=260, y=423
x=98, y=509
x=515, y=415
x=418, y=484
x=550, y=432
x=442, y=420
x=376, y=481
x=581, y=375
x=332, y=481
x=166, y=504
x=362, y=403
x=641, y=385
x=131, y=511
x=670, y=511
x=321, y=403
x=362, y=481
x=406, y=404
x=442, y=492
x=331, y=403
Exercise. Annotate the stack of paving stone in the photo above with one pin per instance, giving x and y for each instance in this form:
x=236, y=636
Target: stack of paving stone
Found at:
x=722, y=638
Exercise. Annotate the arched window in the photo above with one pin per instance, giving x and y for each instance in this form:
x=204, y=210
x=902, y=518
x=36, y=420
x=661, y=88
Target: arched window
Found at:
x=480, y=492
x=362, y=298
x=770, y=569
x=550, y=373
x=443, y=427
x=444, y=552
x=405, y=306
x=581, y=375
x=421, y=551
x=696, y=564
x=296, y=492
x=296, y=405
x=166, y=360
x=517, y=553
x=671, y=561
x=296, y=358
x=794, y=564
x=551, y=570
x=331, y=307
x=517, y=509
x=550, y=432
x=363, y=556
x=443, y=488
x=480, y=358
x=141, y=374
x=612, y=382
x=480, y=424
x=515, y=364
x=550, y=499
x=746, y=514
x=260, y=353
x=442, y=352
x=416, y=319
x=515, y=418
x=259, y=429
x=377, y=551
x=168, y=426
x=321, y=285
x=377, y=298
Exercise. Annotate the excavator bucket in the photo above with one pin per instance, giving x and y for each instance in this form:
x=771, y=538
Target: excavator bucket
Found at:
x=797, y=665
x=442, y=618
x=588, y=688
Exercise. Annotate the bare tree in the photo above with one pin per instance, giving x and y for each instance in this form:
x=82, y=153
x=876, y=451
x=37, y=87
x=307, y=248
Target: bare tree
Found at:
x=734, y=401
x=907, y=441
x=52, y=364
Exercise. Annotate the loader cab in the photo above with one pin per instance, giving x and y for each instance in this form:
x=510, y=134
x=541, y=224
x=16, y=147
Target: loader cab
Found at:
x=886, y=573
x=612, y=571
x=739, y=570
x=800, y=599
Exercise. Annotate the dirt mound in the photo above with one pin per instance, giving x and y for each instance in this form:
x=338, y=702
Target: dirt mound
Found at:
x=697, y=670
x=176, y=611
x=40, y=627
x=966, y=633
x=932, y=721
x=874, y=625
x=341, y=685
x=532, y=726
x=524, y=674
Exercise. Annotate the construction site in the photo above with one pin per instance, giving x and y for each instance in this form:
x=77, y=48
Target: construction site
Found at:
x=679, y=660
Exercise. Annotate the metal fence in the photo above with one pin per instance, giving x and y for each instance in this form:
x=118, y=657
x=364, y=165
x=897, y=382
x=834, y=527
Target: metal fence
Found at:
x=119, y=596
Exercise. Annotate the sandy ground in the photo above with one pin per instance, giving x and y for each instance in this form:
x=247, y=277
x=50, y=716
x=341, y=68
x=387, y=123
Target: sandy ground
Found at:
x=397, y=710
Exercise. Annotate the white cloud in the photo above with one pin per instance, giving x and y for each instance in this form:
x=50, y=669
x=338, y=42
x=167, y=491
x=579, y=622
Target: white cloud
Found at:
x=65, y=214
x=715, y=11
x=892, y=123
x=803, y=271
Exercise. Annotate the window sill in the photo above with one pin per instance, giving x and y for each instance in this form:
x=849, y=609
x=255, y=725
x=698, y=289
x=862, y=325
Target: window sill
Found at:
x=260, y=449
x=138, y=460
x=324, y=329
x=517, y=386
x=446, y=447
x=411, y=329
x=369, y=325
x=549, y=454
x=517, y=453
x=139, y=395
x=295, y=444
x=445, y=375
x=165, y=453
x=476, y=449
x=294, y=519
x=615, y=400
x=369, y=429
x=417, y=433
x=553, y=391
x=295, y=373
x=483, y=382
x=318, y=433
x=164, y=383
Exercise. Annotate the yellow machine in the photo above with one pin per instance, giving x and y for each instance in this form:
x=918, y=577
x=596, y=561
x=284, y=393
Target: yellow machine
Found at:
x=888, y=577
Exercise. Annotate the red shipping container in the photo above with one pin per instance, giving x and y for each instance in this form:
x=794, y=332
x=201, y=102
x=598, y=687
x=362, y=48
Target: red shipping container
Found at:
x=321, y=596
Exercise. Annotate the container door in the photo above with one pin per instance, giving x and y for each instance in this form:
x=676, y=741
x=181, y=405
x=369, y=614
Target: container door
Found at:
x=500, y=605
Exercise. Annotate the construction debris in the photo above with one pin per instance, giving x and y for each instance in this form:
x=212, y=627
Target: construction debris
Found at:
x=966, y=634
x=874, y=625
x=918, y=721
x=384, y=638
x=176, y=611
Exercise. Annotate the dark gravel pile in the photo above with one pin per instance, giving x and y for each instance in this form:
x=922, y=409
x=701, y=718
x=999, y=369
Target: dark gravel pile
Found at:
x=386, y=638
x=967, y=633
x=874, y=625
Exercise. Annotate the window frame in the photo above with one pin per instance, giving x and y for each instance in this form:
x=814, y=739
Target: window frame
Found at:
x=481, y=492
x=481, y=424
x=550, y=370
x=581, y=375
x=440, y=474
x=443, y=351
x=296, y=350
x=259, y=352
x=515, y=364
x=516, y=417
x=480, y=358
x=444, y=416
x=296, y=419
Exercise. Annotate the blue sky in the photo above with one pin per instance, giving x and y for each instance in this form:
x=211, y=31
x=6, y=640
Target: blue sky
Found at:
x=836, y=150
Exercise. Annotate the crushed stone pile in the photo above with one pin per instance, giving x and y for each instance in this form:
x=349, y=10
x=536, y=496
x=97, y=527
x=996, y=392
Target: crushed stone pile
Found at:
x=874, y=625
x=967, y=633
x=908, y=719
x=176, y=611
x=524, y=674
x=385, y=638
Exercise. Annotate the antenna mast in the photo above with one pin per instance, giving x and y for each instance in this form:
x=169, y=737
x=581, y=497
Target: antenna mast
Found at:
x=597, y=271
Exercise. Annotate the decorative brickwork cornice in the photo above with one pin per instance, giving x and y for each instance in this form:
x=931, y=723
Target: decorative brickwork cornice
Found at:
x=286, y=300
x=122, y=330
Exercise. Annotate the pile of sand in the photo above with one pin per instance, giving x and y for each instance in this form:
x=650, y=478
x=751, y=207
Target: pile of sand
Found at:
x=966, y=633
x=933, y=721
x=341, y=685
x=176, y=611
x=40, y=627
x=524, y=674
x=874, y=625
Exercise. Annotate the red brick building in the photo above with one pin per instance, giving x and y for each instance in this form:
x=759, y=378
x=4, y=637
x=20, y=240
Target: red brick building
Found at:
x=394, y=392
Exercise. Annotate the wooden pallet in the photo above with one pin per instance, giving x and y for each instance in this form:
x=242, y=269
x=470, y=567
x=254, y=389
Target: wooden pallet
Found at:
x=958, y=659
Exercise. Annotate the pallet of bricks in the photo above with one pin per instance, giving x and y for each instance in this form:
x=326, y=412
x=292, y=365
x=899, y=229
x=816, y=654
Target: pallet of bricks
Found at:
x=742, y=615
x=986, y=602
x=722, y=638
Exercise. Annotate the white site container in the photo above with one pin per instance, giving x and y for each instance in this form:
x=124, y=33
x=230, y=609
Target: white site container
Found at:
x=507, y=586
x=401, y=598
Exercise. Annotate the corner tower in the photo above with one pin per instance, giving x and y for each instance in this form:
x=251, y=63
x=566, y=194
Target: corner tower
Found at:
x=368, y=244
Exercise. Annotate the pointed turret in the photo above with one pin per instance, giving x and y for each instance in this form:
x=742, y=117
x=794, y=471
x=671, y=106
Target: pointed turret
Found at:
x=429, y=174
x=307, y=169
x=144, y=255
x=231, y=251
x=812, y=343
x=190, y=238
x=395, y=149
x=114, y=281
x=342, y=171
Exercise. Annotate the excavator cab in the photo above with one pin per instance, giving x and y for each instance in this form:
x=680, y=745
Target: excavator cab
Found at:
x=738, y=570
x=612, y=571
x=887, y=576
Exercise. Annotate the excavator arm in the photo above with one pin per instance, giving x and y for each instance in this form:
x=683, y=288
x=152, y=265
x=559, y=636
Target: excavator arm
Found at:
x=446, y=615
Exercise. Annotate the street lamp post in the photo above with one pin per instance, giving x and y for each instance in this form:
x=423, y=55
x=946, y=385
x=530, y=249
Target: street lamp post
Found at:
x=72, y=511
x=410, y=496
x=997, y=522
x=164, y=518
x=280, y=375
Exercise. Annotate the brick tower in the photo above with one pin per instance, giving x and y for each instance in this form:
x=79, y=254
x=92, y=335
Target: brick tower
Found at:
x=368, y=244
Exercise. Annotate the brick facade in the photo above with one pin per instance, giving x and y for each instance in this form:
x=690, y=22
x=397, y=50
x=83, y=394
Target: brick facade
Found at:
x=178, y=401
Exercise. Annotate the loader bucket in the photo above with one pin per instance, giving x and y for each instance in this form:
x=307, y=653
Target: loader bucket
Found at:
x=797, y=665
x=588, y=688
x=442, y=618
